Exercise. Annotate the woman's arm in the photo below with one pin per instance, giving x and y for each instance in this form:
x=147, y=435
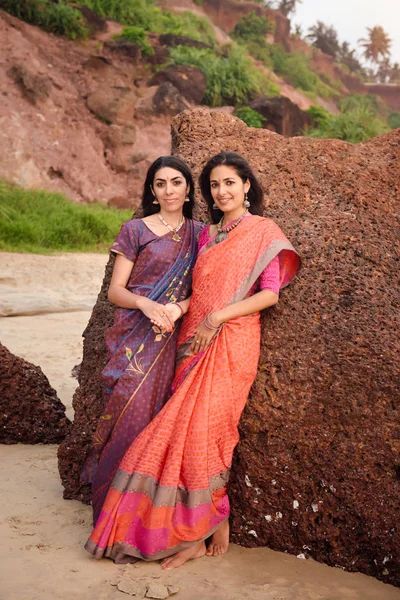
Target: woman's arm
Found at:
x=255, y=303
x=119, y=295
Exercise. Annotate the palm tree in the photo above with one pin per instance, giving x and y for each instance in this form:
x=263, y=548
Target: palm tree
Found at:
x=376, y=45
x=324, y=37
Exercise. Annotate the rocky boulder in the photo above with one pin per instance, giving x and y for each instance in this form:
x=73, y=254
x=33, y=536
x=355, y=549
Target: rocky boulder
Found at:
x=112, y=104
x=282, y=115
x=30, y=410
x=189, y=81
x=317, y=468
x=168, y=101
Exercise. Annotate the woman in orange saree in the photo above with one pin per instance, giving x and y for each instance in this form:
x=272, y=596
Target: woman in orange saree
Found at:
x=169, y=494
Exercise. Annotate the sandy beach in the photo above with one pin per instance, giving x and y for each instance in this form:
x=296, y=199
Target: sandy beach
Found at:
x=45, y=303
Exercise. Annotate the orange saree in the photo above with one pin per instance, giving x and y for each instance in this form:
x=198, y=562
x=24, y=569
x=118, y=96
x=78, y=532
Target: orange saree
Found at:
x=170, y=489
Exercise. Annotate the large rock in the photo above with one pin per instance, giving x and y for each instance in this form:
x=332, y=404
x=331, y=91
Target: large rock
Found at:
x=282, y=115
x=190, y=81
x=112, y=104
x=30, y=410
x=317, y=467
x=168, y=101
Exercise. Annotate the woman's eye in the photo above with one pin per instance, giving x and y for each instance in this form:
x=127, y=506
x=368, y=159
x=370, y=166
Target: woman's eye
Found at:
x=159, y=184
x=178, y=183
x=213, y=185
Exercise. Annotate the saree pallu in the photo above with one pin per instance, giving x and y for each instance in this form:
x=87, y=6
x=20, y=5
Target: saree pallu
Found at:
x=170, y=489
x=140, y=370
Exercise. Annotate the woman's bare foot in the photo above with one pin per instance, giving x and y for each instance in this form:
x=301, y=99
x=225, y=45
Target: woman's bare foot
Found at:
x=219, y=541
x=178, y=559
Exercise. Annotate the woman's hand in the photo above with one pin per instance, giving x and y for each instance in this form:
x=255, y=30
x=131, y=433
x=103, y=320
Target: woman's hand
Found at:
x=156, y=313
x=174, y=311
x=203, y=336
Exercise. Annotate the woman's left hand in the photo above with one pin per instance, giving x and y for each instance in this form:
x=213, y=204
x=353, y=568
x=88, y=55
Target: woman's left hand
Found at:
x=202, y=338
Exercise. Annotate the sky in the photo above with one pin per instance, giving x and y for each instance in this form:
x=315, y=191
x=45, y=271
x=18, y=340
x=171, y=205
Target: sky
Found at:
x=351, y=18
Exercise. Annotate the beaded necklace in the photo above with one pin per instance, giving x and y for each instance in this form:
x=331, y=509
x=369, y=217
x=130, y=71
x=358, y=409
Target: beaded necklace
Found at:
x=174, y=230
x=222, y=234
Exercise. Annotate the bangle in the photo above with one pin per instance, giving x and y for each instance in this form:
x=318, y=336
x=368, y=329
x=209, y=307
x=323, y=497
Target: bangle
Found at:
x=208, y=324
x=181, y=309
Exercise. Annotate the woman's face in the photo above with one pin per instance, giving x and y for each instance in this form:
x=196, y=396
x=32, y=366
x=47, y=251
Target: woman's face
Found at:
x=227, y=188
x=170, y=189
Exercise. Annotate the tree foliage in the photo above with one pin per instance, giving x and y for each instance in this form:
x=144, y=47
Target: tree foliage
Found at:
x=376, y=45
x=252, y=27
x=325, y=38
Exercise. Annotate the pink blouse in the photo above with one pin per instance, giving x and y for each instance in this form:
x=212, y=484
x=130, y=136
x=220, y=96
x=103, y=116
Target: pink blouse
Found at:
x=269, y=278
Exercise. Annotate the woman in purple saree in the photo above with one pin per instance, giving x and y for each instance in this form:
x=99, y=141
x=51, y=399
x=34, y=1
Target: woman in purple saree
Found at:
x=151, y=278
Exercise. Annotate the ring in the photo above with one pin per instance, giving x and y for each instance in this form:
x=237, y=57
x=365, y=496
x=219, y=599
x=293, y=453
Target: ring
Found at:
x=164, y=315
x=197, y=342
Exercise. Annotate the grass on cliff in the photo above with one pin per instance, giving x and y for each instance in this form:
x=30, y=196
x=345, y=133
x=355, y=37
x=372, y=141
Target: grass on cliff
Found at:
x=231, y=76
x=43, y=222
x=358, y=121
x=145, y=15
x=59, y=18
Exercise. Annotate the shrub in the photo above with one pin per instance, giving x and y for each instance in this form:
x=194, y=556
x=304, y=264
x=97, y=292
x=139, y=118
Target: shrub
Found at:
x=144, y=14
x=251, y=117
x=251, y=27
x=356, y=122
x=231, y=76
x=319, y=114
x=137, y=35
x=42, y=222
x=394, y=120
x=59, y=18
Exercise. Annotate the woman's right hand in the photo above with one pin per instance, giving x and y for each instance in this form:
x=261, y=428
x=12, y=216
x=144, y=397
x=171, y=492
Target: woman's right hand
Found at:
x=156, y=313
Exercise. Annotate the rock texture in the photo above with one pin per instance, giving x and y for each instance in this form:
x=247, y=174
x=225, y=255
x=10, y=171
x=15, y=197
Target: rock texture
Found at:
x=55, y=92
x=190, y=81
x=281, y=115
x=317, y=468
x=88, y=398
x=30, y=410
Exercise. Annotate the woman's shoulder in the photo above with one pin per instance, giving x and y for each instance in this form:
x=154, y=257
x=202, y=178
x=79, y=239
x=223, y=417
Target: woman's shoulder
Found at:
x=199, y=226
x=132, y=224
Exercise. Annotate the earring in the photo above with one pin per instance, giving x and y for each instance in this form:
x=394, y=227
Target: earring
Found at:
x=215, y=206
x=155, y=201
x=187, y=199
x=246, y=203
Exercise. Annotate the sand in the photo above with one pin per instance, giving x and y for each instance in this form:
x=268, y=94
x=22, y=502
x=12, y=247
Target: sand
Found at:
x=41, y=554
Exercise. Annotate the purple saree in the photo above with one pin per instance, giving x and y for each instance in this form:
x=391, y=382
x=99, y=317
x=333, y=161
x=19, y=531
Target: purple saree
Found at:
x=141, y=358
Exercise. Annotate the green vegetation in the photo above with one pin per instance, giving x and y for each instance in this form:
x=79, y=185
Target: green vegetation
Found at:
x=62, y=18
x=231, y=76
x=252, y=28
x=43, y=222
x=357, y=121
x=59, y=18
x=250, y=32
x=137, y=35
x=394, y=120
x=251, y=117
x=145, y=15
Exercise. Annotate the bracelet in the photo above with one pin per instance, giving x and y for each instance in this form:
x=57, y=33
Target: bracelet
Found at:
x=208, y=324
x=181, y=309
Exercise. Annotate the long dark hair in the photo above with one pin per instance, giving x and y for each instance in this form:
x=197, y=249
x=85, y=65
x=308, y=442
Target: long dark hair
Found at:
x=243, y=169
x=176, y=163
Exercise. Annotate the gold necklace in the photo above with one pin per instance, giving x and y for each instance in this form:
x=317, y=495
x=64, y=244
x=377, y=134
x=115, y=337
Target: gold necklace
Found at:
x=222, y=234
x=174, y=230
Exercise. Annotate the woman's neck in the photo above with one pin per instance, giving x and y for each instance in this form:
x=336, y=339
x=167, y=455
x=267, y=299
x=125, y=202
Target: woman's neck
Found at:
x=233, y=215
x=173, y=218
